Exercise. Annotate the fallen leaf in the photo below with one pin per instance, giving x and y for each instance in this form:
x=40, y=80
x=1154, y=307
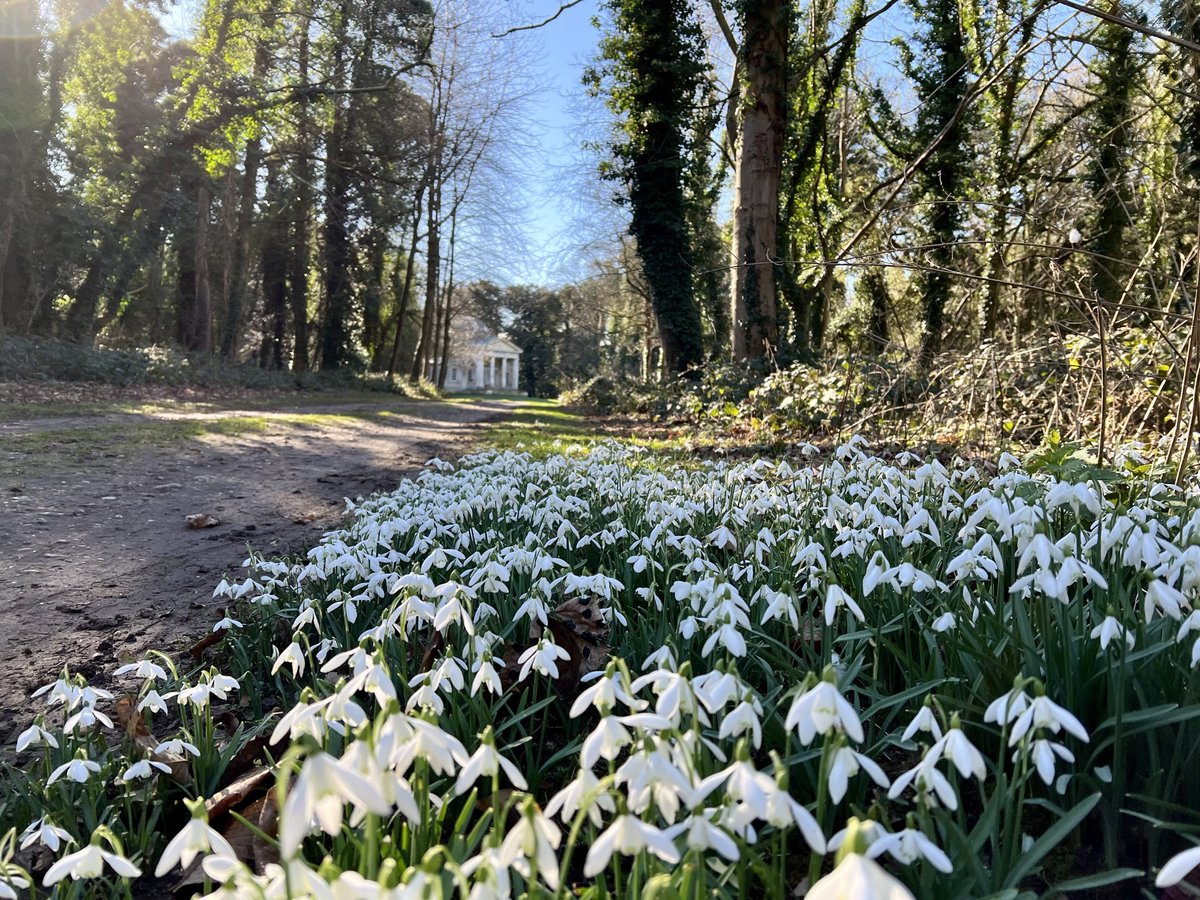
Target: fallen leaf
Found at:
x=133, y=724
x=202, y=520
x=197, y=649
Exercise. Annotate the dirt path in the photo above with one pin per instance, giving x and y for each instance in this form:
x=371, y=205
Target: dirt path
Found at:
x=96, y=562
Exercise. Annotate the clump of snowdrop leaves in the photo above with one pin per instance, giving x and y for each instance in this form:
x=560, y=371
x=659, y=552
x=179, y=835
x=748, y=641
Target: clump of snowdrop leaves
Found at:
x=891, y=678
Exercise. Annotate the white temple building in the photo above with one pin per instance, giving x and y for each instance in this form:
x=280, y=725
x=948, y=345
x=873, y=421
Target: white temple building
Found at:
x=480, y=360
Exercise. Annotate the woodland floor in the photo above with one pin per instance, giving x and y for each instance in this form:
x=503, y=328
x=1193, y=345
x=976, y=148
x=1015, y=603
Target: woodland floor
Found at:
x=97, y=563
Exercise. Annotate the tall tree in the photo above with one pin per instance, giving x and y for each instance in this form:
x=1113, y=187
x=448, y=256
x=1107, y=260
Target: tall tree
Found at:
x=651, y=70
x=937, y=63
x=1116, y=74
x=763, y=60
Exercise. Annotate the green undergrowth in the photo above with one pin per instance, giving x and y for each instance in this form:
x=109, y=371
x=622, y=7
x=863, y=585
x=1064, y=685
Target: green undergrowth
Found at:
x=541, y=427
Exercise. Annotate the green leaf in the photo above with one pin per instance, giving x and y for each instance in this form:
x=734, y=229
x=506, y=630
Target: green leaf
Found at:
x=1090, y=882
x=1051, y=838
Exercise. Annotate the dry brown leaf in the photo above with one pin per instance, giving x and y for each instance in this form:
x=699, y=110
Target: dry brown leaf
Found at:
x=202, y=520
x=133, y=724
x=578, y=627
x=197, y=649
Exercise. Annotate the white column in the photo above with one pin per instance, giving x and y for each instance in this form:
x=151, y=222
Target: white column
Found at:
x=492, y=375
x=517, y=372
x=479, y=372
x=507, y=373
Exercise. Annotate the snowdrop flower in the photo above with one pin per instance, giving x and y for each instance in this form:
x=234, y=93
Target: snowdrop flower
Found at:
x=742, y=718
x=292, y=656
x=584, y=789
x=443, y=752
x=89, y=862
x=609, y=688
x=1161, y=596
x=820, y=710
x=835, y=598
x=944, y=622
x=629, y=836
x=1043, y=712
x=486, y=676
x=1112, y=628
x=35, y=735
x=78, y=770
x=1177, y=868
x=533, y=837
x=143, y=769
x=87, y=718
x=320, y=793
x=1044, y=752
x=226, y=624
x=542, y=657
x=45, y=832
x=701, y=833
x=924, y=720
x=487, y=761
x=930, y=783
x=176, y=747
x=907, y=846
x=610, y=736
x=143, y=669
x=153, y=702
x=860, y=878
x=956, y=747
x=1006, y=709
x=846, y=764
x=195, y=838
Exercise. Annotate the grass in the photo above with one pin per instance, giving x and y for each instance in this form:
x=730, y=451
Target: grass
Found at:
x=52, y=450
x=540, y=427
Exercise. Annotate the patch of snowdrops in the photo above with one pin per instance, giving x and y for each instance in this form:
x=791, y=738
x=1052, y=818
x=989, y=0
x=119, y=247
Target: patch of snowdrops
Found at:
x=851, y=677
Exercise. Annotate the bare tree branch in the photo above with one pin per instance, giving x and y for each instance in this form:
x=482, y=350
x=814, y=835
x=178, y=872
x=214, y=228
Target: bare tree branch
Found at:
x=562, y=8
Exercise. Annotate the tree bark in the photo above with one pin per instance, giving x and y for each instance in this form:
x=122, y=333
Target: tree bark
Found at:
x=767, y=24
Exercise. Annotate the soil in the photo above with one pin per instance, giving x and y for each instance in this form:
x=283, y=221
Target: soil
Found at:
x=97, y=563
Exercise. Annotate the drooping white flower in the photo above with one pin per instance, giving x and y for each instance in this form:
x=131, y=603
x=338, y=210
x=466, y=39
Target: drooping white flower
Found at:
x=835, y=598
x=533, y=837
x=628, y=835
x=292, y=655
x=1177, y=868
x=194, y=838
x=581, y=793
x=320, y=793
x=908, y=845
x=1110, y=629
x=78, y=770
x=1043, y=712
x=35, y=735
x=487, y=762
x=859, y=878
x=88, y=863
x=847, y=763
x=820, y=710
x=43, y=831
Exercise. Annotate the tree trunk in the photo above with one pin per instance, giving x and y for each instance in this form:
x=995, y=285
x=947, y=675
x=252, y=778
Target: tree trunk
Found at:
x=449, y=313
x=302, y=212
x=335, y=326
x=274, y=267
x=240, y=263
x=406, y=288
x=767, y=24
x=433, y=262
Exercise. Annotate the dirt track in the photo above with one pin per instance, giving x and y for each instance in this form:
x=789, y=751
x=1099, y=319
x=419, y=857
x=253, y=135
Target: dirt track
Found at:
x=97, y=564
